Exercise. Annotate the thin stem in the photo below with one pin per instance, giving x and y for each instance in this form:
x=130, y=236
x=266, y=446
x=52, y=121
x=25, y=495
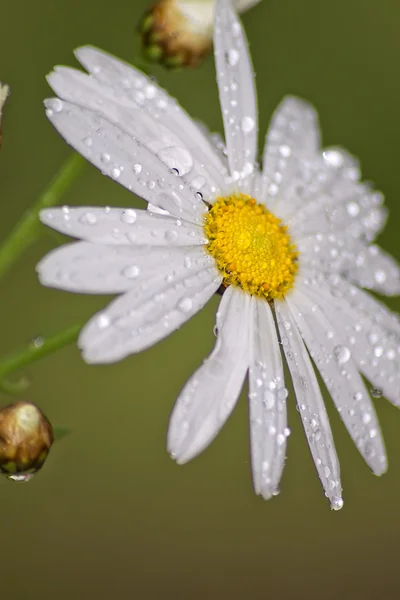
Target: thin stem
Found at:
x=36, y=350
x=29, y=227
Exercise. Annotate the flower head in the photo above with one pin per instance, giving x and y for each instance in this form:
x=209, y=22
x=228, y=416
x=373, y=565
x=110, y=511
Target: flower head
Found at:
x=291, y=245
x=178, y=33
x=26, y=437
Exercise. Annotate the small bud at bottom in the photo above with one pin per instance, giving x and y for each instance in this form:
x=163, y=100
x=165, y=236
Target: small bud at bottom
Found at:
x=26, y=437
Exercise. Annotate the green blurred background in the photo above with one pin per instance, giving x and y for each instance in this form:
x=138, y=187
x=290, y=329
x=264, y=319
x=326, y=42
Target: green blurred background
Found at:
x=111, y=515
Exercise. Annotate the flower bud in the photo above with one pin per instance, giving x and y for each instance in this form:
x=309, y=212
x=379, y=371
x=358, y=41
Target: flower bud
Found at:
x=4, y=91
x=26, y=437
x=178, y=33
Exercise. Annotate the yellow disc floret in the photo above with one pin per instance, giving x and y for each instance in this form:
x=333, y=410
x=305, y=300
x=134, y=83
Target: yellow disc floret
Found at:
x=251, y=246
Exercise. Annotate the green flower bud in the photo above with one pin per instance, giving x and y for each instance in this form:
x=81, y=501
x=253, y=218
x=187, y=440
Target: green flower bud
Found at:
x=26, y=437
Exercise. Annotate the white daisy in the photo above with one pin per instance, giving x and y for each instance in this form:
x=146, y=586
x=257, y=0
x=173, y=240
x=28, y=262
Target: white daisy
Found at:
x=290, y=244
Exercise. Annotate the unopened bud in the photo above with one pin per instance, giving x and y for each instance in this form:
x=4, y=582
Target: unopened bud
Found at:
x=4, y=91
x=26, y=437
x=178, y=33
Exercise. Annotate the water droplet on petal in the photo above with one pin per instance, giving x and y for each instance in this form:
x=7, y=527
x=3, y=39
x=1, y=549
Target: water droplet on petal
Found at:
x=185, y=305
x=353, y=209
x=342, y=354
x=88, y=218
x=131, y=272
x=171, y=236
x=248, y=124
x=103, y=321
x=334, y=158
x=380, y=276
x=337, y=503
x=129, y=216
x=88, y=141
x=105, y=158
x=232, y=57
x=55, y=104
x=178, y=159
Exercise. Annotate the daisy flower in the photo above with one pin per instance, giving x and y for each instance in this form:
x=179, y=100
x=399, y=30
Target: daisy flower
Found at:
x=178, y=33
x=289, y=245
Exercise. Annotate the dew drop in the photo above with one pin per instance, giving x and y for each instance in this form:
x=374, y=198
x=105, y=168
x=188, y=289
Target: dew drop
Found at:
x=285, y=151
x=353, y=209
x=131, y=272
x=185, y=305
x=334, y=158
x=88, y=141
x=376, y=393
x=232, y=57
x=342, y=354
x=282, y=393
x=37, y=341
x=248, y=124
x=171, y=236
x=21, y=477
x=88, y=218
x=103, y=321
x=337, y=503
x=380, y=276
x=128, y=216
x=177, y=159
x=55, y=104
x=105, y=158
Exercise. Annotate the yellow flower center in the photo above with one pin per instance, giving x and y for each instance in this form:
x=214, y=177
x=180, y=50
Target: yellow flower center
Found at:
x=251, y=247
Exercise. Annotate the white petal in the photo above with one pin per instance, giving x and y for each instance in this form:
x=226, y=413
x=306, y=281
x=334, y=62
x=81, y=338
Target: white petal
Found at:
x=243, y=5
x=130, y=84
x=211, y=393
x=331, y=201
x=368, y=328
x=124, y=159
x=236, y=89
x=375, y=269
x=368, y=266
x=88, y=268
x=267, y=400
x=122, y=226
x=216, y=140
x=292, y=139
x=146, y=315
x=334, y=361
x=311, y=406
x=199, y=170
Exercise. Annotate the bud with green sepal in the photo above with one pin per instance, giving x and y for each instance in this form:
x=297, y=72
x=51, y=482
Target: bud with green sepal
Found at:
x=178, y=33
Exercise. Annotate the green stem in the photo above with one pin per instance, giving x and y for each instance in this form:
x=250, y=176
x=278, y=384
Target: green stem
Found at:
x=31, y=353
x=28, y=229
